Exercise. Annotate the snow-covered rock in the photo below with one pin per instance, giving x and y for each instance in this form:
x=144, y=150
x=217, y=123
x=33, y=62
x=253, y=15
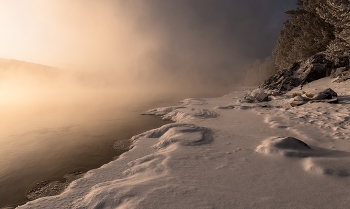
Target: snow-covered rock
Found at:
x=162, y=110
x=301, y=73
x=298, y=100
x=286, y=146
x=327, y=95
x=257, y=95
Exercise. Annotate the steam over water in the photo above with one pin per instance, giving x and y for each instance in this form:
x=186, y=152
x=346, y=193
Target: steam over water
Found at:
x=114, y=59
x=152, y=44
x=54, y=122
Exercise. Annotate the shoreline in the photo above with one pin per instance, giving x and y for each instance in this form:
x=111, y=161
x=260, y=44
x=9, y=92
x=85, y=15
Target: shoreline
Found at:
x=38, y=184
x=54, y=185
x=221, y=153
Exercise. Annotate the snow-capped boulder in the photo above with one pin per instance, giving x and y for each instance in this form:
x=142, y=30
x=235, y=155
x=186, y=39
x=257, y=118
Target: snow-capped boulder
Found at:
x=327, y=95
x=300, y=73
x=298, y=100
x=257, y=95
x=285, y=146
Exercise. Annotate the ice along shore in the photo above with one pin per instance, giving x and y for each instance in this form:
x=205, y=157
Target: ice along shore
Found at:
x=224, y=153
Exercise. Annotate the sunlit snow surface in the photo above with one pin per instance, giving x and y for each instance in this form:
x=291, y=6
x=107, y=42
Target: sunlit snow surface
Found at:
x=222, y=153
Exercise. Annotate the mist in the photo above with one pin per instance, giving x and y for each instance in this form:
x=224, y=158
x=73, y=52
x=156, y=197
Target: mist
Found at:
x=77, y=74
x=192, y=45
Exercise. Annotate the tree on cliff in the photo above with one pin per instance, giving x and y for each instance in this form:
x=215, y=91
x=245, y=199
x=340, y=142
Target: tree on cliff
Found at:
x=316, y=27
x=337, y=13
x=305, y=33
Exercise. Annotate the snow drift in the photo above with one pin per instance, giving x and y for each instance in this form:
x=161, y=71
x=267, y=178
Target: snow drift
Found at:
x=250, y=155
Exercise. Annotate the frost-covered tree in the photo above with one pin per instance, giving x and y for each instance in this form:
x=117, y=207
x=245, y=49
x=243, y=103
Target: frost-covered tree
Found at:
x=337, y=13
x=305, y=33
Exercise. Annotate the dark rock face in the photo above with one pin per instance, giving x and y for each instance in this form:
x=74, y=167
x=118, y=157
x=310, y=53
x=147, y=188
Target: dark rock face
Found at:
x=300, y=73
x=305, y=71
x=337, y=72
x=314, y=68
x=343, y=61
x=343, y=77
x=325, y=94
x=341, y=69
x=283, y=80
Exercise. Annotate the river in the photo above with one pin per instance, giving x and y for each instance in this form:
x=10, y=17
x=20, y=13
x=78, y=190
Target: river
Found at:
x=43, y=141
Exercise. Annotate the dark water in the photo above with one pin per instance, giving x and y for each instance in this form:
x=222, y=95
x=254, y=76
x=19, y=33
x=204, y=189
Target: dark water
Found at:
x=41, y=142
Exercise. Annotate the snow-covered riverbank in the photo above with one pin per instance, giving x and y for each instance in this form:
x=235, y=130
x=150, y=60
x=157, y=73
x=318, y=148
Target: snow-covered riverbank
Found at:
x=223, y=153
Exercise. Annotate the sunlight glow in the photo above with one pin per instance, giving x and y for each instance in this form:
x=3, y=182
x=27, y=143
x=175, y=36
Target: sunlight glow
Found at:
x=56, y=32
x=22, y=28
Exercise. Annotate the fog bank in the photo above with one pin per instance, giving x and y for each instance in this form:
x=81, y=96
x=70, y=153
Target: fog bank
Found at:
x=137, y=44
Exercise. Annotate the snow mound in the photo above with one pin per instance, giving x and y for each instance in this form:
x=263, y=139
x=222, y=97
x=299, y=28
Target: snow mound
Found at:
x=204, y=113
x=243, y=106
x=174, y=114
x=186, y=135
x=286, y=146
x=193, y=101
x=328, y=166
x=147, y=177
x=177, y=116
x=319, y=122
x=225, y=107
x=158, y=132
x=162, y=110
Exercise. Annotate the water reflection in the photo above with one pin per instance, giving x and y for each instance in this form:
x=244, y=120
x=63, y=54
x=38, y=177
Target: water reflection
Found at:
x=42, y=142
x=46, y=140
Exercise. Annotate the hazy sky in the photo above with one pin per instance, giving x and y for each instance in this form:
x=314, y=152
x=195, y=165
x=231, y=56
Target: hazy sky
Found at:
x=197, y=39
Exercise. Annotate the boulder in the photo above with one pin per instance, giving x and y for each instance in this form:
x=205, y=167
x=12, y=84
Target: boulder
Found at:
x=302, y=72
x=314, y=68
x=257, y=95
x=343, y=76
x=298, y=100
x=327, y=95
x=283, y=80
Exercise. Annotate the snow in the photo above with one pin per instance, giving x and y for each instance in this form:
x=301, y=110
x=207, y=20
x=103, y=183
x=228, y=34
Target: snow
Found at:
x=224, y=153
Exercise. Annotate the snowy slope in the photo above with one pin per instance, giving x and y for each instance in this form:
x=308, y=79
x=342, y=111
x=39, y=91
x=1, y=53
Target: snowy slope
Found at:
x=222, y=153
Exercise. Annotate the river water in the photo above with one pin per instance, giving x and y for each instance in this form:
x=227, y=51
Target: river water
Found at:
x=44, y=141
